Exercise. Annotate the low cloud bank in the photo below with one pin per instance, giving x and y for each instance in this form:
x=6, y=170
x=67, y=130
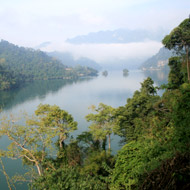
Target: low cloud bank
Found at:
x=107, y=52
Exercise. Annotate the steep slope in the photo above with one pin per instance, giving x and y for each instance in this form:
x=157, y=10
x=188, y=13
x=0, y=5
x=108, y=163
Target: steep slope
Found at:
x=158, y=61
x=19, y=64
x=68, y=59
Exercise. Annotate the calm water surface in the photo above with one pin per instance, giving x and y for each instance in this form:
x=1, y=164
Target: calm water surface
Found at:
x=74, y=97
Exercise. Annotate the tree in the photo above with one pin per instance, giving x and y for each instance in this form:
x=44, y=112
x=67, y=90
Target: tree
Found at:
x=105, y=73
x=32, y=144
x=82, y=166
x=125, y=72
x=131, y=119
x=176, y=75
x=147, y=87
x=179, y=40
x=56, y=119
x=34, y=141
x=102, y=123
x=68, y=178
x=19, y=65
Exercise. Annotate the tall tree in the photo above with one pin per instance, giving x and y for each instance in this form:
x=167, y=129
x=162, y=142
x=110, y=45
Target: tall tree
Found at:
x=177, y=73
x=55, y=118
x=102, y=123
x=32, y=144
x=131, y=119
x=34, y=141
x=179, y=40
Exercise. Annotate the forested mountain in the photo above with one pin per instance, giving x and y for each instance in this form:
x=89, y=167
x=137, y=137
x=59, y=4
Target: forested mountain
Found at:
x=158, y=61
x=19, y=64
x=118, y=36
x=68, y=58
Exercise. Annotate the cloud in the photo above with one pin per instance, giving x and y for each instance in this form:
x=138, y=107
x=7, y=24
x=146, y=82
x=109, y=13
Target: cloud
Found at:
x=90, y=19
x=30, y=22
x=106, y=52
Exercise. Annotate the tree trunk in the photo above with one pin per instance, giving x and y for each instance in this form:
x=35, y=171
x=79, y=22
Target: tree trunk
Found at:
x=60, y=144
x=32, y=159
x=61, y=141
x=188, y=72
x=38, y=168
x=104, y=143
x=109, y=138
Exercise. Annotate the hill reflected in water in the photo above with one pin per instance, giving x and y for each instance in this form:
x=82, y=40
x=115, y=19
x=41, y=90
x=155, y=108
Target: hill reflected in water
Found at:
x=33, y=90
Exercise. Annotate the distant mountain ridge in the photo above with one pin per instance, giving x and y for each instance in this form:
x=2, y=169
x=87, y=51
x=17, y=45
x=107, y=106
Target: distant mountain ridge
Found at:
x=158, y=61
x=67, y=59
x=42, y=45
x=118, y=36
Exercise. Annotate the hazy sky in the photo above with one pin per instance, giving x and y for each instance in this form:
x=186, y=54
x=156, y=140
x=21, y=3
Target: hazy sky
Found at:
x=31, y=22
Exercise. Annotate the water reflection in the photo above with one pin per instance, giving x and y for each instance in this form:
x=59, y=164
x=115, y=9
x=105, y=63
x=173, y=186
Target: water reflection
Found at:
x=159, y=76
x=105, y=73
x=36, y=89
x=75, y=97
x=125, y=74
x=113, y=86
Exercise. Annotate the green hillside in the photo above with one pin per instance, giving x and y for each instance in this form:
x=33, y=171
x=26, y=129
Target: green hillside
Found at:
x=19, y=64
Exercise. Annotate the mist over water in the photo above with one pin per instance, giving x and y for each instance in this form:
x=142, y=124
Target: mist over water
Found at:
x=77, y=96
x=106, y=53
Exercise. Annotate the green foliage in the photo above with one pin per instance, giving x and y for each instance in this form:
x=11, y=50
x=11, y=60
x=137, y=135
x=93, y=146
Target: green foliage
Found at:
x=85, y=71
x=102, y=122
x=147, y=87
x=181, y=119
x=174, y=173
x=19, y=64
x=34, y=141
x=179, y=37
x=176, y=75
x=156, y=131
x=93, y=163
x=7, y=80
x=75, y=169
x=70, y=155
x=32, y=144
x=135, y=159
x=132, y=118
x=56, y=119
x=92, y=174
x=68, y=179
x=166, y=133
x=179, y=40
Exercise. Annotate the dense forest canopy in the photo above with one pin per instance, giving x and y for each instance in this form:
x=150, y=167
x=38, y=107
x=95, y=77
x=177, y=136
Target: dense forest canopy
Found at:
x=155, y=132
x=179, y=40
x=19, y=64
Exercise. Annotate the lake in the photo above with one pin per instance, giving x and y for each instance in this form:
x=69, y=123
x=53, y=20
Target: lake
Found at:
x=75, y=97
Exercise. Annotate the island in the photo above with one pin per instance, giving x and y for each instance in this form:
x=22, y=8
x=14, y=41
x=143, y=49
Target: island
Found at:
x=125, y=72
x=105, y=73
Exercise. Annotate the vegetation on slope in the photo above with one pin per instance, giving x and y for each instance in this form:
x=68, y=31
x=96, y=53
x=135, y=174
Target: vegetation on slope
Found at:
x=19, y=64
